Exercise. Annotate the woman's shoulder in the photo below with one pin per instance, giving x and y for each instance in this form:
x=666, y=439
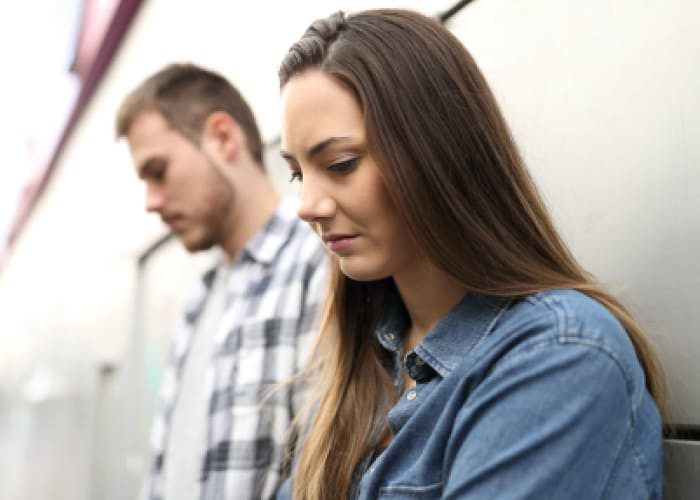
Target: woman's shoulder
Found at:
x=575, y=314
x=566, y=314
x=569, y=318
x=557, y=383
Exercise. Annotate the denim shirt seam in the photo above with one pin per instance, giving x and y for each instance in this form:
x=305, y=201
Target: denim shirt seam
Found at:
x=638, y=460
x=563, y=341
x=631, y=421
x=615, y=469
x=565, y=334
x=556, y=307
x=642, y=465
x=492, y=324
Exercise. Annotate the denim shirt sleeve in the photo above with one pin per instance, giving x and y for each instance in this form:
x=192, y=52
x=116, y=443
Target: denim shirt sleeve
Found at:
x=550, y=421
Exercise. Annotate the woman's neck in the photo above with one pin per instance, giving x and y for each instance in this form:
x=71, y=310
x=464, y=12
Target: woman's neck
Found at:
x=428, y=294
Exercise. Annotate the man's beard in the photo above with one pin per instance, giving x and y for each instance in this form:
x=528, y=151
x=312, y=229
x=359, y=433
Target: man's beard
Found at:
x=212, y=225
x=205, y=242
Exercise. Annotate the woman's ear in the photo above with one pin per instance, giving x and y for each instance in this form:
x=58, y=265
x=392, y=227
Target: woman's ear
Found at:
x=221, y=136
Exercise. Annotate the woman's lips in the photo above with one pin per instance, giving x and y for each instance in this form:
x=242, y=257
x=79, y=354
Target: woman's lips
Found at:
x=339, y=242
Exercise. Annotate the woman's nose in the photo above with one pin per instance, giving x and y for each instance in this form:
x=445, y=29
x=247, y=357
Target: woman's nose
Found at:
x=316, y=203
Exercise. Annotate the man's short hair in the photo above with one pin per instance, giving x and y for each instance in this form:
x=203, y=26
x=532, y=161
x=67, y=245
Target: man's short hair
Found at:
x=185, y=95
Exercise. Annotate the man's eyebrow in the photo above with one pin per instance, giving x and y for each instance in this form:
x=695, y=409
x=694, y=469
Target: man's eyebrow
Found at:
x=317, y=148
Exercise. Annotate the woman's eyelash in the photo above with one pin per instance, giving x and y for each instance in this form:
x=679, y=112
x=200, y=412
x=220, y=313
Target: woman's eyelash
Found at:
x=341, y=166
x=344, y=165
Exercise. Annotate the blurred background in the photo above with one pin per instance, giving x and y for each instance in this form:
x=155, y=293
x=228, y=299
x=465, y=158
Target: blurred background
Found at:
x=603, y=98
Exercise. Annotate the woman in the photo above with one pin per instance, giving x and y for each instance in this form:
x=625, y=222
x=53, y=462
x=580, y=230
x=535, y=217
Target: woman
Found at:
x=464, y=353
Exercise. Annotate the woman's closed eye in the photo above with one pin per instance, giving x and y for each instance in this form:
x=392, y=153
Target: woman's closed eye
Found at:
x=341, y=167
x=345, y=165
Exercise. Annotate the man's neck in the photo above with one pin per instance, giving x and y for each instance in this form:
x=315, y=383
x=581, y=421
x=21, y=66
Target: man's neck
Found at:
x=252, y=209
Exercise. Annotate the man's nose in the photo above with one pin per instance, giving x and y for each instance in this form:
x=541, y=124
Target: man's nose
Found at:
x=154, y=199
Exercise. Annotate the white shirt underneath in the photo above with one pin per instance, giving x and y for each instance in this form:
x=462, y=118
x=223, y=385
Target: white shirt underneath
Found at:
x=187, y=440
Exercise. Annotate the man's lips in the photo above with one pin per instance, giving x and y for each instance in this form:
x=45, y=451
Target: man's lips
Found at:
x=338, y=242
x=174, y=221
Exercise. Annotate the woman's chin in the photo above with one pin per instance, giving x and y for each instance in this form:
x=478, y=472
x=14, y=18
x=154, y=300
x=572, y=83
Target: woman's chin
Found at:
x=359, y=271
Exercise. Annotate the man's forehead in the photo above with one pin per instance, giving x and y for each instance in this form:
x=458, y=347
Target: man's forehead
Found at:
x=146, y=125
x=150, y=136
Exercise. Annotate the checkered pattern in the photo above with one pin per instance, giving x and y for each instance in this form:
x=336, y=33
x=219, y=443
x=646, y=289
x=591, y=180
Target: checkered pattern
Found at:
x=273, y=297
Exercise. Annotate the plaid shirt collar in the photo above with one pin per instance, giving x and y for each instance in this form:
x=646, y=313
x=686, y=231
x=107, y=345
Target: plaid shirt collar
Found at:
x=263, y=247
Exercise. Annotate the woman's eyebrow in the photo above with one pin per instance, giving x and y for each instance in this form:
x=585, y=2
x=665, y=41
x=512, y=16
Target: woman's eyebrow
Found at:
x=317, y=148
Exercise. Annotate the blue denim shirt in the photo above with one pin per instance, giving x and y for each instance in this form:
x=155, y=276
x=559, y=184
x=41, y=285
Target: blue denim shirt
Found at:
x=537, y=398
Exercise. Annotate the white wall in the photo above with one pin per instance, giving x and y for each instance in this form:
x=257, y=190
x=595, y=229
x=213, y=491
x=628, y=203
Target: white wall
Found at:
x=603, y=98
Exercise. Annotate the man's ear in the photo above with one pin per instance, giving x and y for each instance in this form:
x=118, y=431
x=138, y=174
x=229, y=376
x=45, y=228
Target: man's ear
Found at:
x=221, y=136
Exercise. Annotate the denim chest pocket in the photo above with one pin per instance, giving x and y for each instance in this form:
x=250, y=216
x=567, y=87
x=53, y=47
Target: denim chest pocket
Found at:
x=410, y=492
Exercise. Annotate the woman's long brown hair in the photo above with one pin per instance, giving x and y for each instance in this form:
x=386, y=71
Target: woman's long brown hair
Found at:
x=454, y=172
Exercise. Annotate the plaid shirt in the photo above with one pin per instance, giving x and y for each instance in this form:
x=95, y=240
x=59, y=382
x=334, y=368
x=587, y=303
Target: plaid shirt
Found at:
x=272, y=299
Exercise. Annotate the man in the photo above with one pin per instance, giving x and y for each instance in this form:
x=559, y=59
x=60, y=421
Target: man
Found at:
x=221, y=430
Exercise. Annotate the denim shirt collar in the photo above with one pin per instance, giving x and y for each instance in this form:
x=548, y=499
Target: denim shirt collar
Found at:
x=465, y=325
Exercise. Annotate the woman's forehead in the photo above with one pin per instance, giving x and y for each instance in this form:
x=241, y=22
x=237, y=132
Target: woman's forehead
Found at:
x=315, y=106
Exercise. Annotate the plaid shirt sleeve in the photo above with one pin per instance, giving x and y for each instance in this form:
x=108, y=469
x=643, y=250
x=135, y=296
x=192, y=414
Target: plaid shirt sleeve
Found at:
x=273, y=299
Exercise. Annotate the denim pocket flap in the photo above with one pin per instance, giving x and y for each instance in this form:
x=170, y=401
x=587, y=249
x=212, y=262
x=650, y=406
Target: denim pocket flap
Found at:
x=398, y=491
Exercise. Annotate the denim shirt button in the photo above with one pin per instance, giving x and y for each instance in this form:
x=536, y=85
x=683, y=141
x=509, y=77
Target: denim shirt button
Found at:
x=419, y=361
x=411, y=395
